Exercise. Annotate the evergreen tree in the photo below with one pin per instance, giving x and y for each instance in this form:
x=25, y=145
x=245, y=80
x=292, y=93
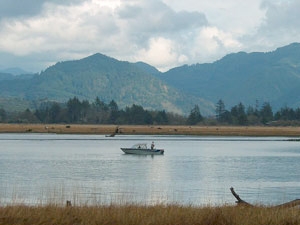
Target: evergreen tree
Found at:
x=73, y=106
x=195, y=116
x=161, y=117
x=114, y=112
x=54, y=113
x=3, y=115
x=100, y=105
x=27, y=117
x=137, y=115
x=220, y=110
x=239, y=115
x=253, y=116
x=297, y=114
x=266, y=113
x=285, y=114
x=113, y=106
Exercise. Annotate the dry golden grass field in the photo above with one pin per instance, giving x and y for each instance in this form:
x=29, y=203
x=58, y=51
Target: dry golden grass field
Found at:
x=148, y=130
x=147, y=215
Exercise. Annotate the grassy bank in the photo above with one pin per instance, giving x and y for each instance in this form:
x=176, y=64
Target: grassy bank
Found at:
x=140, y=215
x=160, y=130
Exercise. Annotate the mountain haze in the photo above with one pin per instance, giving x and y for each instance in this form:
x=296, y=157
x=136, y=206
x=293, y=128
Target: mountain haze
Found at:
x=14, y=71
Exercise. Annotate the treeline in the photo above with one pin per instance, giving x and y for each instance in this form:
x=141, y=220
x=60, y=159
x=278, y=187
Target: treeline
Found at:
x=99, y=112
x=84, y=112
x=255, y=115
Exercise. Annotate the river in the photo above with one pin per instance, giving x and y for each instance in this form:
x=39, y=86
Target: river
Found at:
x=195, y=170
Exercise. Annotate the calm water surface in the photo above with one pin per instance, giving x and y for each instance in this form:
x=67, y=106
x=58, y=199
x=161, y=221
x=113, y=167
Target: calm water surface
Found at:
x=91, y=169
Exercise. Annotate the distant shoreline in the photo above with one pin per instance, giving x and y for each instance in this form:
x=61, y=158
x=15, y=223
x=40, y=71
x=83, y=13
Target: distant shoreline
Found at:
x=151, y=130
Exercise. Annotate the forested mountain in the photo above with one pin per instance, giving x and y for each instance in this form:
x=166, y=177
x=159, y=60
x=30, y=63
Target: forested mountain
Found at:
x=107, y=78
x=272, y=77
x=6, y=76
x=250, y=78
x=147, y=68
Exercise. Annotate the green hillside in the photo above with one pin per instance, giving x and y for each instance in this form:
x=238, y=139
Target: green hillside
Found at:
x=272, y=77
x=244, y=77
x=107, y=78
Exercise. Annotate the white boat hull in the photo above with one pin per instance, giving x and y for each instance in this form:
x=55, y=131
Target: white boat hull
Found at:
x=143, y=151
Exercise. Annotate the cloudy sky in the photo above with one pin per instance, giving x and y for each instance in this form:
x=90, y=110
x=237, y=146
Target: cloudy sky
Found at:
x=35, y=34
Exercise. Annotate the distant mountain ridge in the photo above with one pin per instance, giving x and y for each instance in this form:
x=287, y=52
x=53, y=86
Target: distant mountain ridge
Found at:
x=107, y=78
x=249, y=78
x=14, y=71
x=272, y=77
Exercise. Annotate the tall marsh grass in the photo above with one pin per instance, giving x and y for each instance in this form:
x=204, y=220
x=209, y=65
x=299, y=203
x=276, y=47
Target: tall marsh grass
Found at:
x=51, y=209
x=147, y=215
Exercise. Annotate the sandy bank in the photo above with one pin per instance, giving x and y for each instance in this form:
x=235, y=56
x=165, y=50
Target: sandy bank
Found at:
x=163, y=130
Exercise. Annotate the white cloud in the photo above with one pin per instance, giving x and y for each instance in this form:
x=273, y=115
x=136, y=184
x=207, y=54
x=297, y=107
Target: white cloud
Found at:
x=120, y=29
x=160, y=52
x=27, y=8
x=59, y=28
x=213, y=41
x=235, y=16
x=164, y=33
x=281, y=16
x=279, y=27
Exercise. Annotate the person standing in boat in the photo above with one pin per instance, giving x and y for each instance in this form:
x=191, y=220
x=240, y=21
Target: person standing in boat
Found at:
x=152, y=145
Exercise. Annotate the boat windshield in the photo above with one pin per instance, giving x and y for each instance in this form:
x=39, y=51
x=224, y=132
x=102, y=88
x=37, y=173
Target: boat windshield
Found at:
x=140, y=146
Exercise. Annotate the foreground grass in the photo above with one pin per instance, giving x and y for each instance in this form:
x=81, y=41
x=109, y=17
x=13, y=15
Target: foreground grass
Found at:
x=140, y=215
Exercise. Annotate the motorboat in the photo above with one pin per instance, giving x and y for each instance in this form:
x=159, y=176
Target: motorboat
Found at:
x=142, y=149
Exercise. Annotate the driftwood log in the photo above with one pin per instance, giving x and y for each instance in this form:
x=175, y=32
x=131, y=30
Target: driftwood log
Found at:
x=241, y=202
x=113, y=134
